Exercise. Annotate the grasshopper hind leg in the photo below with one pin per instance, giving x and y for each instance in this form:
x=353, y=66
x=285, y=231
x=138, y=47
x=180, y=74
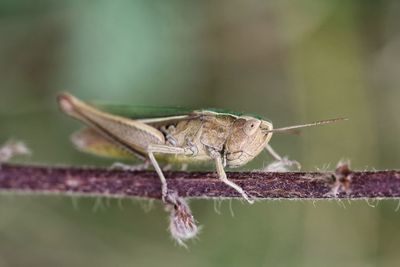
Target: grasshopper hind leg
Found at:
x=90, y=141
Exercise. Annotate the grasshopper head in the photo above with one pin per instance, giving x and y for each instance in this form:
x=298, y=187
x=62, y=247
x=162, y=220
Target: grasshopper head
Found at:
x=250, y=135
x=247, y=139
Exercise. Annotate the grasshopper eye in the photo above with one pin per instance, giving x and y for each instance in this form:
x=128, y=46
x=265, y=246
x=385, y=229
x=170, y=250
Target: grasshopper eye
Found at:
x=251, y=126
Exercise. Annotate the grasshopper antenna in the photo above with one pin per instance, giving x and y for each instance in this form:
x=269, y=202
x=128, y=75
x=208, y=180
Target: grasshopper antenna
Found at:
x=295, y=127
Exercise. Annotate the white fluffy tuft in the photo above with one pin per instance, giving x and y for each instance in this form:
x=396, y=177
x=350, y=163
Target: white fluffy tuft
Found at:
x=182, y=223
x=12, y=149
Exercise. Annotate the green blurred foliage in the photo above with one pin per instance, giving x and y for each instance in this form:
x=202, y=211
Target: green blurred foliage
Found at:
x=291, y=62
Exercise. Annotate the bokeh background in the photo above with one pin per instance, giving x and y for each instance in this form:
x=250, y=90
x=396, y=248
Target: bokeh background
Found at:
x=289, y=61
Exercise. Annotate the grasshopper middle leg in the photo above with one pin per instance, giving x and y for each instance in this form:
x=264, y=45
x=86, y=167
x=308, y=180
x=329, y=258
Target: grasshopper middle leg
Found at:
x=164, y=149
x=222, y=176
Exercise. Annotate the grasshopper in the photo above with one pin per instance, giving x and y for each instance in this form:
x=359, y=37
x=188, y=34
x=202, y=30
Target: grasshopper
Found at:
x=227, y=139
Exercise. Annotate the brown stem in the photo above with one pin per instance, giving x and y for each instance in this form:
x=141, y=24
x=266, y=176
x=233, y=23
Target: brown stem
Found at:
x=261, y=185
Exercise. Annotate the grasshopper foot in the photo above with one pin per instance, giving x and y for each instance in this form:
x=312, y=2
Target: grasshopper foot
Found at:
x=248, y=198
x=126, y=167
x=239, y=189
x=282, y=165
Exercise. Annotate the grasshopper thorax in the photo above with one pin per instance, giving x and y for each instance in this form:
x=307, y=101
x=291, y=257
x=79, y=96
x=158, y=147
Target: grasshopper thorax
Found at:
x=247, y=139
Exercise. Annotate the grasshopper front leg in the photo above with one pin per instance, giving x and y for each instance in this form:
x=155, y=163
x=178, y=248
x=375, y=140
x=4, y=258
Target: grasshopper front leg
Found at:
x=281, y=162
x=273, y=153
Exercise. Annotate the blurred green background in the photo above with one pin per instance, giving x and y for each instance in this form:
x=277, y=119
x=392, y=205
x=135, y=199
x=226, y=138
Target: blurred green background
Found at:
x=289, y=61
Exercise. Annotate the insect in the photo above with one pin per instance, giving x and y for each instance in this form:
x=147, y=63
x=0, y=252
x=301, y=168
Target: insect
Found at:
x=227, y=139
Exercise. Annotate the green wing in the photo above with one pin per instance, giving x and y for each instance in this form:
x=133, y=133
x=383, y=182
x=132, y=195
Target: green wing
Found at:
x=150, y=112
x=143, y=112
